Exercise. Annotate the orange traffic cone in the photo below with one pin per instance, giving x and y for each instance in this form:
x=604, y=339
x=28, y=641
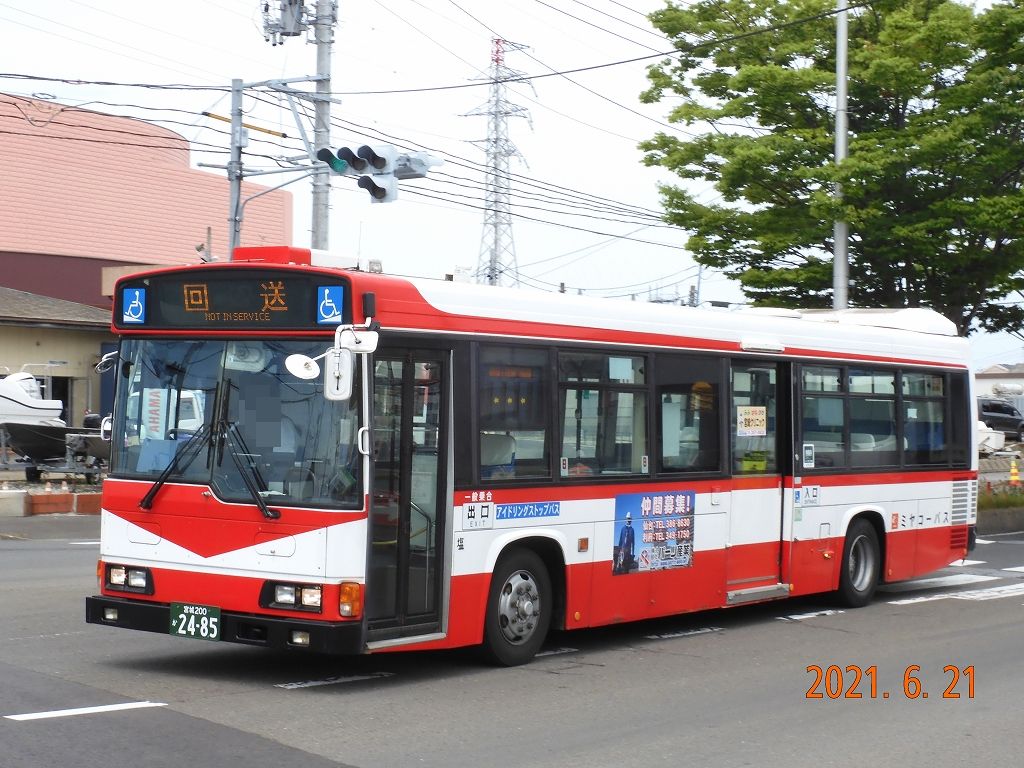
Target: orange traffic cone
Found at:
x=1014, y=475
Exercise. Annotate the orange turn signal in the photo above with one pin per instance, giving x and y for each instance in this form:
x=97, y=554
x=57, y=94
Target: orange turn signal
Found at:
x=350, y=599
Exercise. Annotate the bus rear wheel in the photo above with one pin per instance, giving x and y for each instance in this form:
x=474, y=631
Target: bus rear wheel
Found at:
x=518, y=609
x=861, y=564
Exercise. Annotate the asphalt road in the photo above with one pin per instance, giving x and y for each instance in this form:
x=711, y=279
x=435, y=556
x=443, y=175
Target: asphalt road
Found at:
x=722, y=688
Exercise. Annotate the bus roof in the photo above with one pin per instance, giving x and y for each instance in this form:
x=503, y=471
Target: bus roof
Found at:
x=910, y=334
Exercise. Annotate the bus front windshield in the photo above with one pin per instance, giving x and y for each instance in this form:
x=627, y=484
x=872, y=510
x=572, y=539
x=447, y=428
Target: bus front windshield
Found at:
x=230, y=415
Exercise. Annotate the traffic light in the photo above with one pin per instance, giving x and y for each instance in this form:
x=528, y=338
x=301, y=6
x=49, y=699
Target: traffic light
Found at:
x=380, y=164
x=380, y=159
x=375, y=167
x=344, y=161
x=382, y=188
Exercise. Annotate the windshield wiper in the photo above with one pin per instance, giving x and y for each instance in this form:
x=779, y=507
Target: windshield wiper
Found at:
x=249, y=472
x=191, y=447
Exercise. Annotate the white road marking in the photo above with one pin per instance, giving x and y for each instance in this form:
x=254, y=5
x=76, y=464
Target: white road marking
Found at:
x=86, y=543
x=812, y=615
x=962, y=563
x=983, y=541
x=1017, y=569
x=989, y=593
x=333, y=681
x=683, y=633
x=935, y=583
x=85, y=710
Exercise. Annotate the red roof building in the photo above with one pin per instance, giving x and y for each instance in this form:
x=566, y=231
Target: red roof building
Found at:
x=82, y=190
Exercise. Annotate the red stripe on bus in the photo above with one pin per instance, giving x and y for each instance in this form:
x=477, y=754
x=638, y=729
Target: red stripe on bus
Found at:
x=206, y=526
x=589, y=492
x=891, y=477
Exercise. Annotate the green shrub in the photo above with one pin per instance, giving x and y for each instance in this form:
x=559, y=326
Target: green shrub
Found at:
x=1000, y=496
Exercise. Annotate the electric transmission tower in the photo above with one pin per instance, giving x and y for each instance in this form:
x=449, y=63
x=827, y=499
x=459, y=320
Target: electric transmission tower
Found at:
x=497, y=263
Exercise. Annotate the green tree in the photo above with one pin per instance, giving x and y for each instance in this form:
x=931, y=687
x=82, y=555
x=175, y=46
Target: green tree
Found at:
x=932, y=183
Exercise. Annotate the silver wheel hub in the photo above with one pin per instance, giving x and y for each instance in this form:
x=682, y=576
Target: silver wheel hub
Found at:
x=862, y=564
x=519, y=607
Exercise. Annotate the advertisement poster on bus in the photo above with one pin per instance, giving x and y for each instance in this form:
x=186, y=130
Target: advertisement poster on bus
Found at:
x=653, y=531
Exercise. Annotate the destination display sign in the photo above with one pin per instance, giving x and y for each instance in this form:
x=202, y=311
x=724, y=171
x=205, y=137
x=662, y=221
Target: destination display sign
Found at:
x=232, y=299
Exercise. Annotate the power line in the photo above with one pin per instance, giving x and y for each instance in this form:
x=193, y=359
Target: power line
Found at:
x=691, y=48
x=112, y=83
x=617, y=20
x=596, y=26
x=418, y=191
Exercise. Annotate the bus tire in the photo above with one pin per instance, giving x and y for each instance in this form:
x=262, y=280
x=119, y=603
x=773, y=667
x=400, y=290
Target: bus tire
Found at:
x=518, y=609
x=861, y=565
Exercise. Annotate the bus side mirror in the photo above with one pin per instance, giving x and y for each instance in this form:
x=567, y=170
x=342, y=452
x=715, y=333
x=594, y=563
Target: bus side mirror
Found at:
x=338, y=373
x=106, y=428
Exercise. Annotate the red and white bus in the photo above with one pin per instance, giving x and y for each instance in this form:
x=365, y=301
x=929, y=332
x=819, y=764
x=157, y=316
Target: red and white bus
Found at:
x=477, y=465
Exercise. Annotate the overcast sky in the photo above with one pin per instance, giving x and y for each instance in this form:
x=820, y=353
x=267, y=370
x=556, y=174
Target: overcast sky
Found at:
x=581, y=135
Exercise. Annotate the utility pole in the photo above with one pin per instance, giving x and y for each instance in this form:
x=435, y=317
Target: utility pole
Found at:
x=323, y=32
x=238, y=139
x=293, y=21
x=840, y=230
x=497, y=262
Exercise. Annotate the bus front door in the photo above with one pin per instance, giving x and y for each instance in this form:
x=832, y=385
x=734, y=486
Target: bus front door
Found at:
x=407, y=516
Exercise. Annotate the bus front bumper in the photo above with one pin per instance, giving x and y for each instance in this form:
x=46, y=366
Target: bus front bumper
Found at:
x=247, y=629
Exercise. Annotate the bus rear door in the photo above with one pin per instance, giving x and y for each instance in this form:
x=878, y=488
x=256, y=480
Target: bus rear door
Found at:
x=760, y=432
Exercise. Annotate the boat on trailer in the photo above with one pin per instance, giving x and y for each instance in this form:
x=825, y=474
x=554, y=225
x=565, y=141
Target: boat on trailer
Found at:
x=31, y=427
x=21, y=402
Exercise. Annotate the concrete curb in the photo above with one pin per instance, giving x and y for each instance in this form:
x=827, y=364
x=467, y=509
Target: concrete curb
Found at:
x=1007, y=520
x=12, y=503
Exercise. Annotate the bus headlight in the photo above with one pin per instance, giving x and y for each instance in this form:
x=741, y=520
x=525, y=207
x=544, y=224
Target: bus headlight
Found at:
x=293, y=597
x=128, y=578
x=310, y=597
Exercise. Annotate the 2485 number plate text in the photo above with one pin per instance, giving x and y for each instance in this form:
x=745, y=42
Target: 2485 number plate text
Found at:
x=199, y=621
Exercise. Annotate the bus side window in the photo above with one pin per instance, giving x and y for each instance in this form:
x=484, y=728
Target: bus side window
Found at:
x=603, y=414
x=924, y=428
x=689, y=430
x=689, y=413
x=512, y=417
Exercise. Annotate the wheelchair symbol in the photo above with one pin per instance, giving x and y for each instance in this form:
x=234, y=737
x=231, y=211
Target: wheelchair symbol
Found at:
x=136, y=310
x=328, y=309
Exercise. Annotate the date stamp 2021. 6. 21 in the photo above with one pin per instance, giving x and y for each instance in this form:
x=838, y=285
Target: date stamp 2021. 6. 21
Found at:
x=858, y=682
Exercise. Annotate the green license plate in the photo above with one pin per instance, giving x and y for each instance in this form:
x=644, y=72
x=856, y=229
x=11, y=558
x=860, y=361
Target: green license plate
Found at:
x=201, y=622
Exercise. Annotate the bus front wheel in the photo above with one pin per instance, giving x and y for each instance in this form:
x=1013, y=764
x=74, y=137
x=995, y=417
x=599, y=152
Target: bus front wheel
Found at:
x=861, y=564
x=518, y=609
